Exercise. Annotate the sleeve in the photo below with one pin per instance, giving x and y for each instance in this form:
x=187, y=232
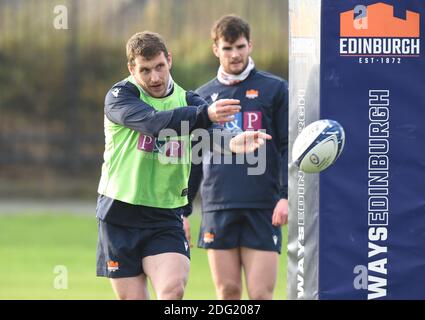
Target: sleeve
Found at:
x=124, y=107
x=196, y=172
x=216, y=144
x=281, y=125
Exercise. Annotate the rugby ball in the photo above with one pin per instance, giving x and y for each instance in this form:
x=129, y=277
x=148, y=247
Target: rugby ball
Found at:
x=318, y=146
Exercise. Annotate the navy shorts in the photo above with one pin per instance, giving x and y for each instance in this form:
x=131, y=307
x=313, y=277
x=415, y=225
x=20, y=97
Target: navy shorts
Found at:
x=120, y=249
x=229, y=229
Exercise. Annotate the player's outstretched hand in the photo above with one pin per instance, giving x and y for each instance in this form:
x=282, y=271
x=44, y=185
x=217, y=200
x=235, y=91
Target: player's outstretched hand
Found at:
x=248, y=141
x=223, y=110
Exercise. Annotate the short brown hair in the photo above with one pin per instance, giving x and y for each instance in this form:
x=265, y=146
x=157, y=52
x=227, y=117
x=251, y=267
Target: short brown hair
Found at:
x=230, y=28
x=146, y=44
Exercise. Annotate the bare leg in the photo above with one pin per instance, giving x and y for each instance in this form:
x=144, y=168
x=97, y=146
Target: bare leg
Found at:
x=261, y=272
x=132, y=288
x=168, y=273
x=225, y=268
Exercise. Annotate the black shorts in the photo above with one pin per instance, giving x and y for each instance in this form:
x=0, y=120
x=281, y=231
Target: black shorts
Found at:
x=229, y=229
x=137, y=216
x=120, y=249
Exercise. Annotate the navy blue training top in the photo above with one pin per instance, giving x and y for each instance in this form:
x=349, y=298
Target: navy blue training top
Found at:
x=264, y=101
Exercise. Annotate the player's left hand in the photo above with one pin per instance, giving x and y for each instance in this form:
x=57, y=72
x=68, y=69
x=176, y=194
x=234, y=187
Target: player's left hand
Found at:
x=280, y=213
x=248, y=141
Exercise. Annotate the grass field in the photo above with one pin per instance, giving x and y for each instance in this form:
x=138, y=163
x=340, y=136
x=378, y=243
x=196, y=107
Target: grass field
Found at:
x=31, y=245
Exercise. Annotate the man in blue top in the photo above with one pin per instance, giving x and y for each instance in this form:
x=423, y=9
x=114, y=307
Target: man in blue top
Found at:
x=243, y=214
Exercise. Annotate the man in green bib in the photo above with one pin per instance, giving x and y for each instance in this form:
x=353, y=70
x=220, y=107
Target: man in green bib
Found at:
x=145, y=174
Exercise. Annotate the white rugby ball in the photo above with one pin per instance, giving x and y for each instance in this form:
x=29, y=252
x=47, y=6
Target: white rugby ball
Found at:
x=318, y=145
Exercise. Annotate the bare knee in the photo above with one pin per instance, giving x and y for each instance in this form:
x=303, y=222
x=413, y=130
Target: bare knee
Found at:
x=229, y=291
x=168, y=273
x=133, y=288
x=261, y=293
x=123, y=295
x=172, y=291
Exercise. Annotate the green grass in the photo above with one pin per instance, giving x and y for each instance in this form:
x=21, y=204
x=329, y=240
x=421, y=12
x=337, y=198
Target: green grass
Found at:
x=31, y=245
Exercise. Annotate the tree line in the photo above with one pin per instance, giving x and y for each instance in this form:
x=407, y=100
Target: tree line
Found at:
x=53, y=81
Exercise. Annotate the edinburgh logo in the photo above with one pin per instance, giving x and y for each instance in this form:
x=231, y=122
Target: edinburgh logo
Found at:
x=374, y=31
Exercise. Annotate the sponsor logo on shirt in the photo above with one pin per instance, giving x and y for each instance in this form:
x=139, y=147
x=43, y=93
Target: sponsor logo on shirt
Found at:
x=252, y=120
x=248, y=120
x=252, y=94
x=173, y=149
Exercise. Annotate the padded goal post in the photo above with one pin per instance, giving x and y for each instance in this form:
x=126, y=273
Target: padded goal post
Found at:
x=357, y=230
